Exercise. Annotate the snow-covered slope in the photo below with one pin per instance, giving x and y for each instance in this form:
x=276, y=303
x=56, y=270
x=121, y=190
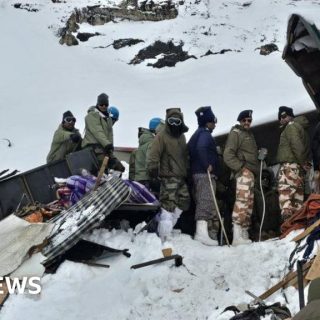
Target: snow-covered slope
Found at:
x=40, y=79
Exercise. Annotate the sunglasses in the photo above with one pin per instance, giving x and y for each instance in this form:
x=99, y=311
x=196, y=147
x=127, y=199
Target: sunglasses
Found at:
x=69, y=119
x=174, y=121
x=248, y=120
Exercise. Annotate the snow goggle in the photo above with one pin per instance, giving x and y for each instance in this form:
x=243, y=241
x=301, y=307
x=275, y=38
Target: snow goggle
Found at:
x=69, y=119
x=174, y=121
x=248, y=120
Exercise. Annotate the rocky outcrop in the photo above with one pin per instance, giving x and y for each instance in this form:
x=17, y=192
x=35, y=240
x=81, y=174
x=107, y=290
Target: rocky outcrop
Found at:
x=121, y=43
x=85, y=36
x=268, y=48
x=171, y=54
x=129, y=10
x=26, y=6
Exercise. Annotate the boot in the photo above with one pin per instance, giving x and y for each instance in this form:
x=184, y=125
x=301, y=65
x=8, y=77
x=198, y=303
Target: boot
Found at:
x=176, y=215
x=165, y=225
x=202, y=234
x=240, y=235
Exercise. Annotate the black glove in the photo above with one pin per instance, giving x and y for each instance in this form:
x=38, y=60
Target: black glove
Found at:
x=154, y=173
x=75, y=137
x=108, y=149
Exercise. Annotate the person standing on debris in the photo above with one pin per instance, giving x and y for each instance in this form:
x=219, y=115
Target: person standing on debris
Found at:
x=66, y=138
x=99, y=132
x=168, y=159
x=241, y=156
x=204, y=159
x=146, y=137
x=294, y=157
x=312, y=310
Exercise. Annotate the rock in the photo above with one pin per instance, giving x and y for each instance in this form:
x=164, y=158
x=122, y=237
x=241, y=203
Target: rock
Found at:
x=69, y=39
x=26, y=6
x=120, y=43
x=171, y=54
x=268, y=48
x=85, y=36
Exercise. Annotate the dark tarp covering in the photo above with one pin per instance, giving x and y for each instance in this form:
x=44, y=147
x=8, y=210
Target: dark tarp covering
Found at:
x=302, y=54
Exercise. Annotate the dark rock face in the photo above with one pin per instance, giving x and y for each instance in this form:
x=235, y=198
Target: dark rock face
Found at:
x=26, y=6
x=172, y=54
x=130, y=10
x=223, y=51
x=268, y=48
x=85, y=36
x=121, y=43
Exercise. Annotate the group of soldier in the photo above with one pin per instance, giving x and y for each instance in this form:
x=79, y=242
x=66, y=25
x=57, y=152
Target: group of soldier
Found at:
x=165, y=161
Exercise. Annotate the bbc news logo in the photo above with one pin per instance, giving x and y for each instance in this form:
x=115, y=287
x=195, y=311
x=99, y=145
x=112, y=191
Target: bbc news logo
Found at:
x=29, y=285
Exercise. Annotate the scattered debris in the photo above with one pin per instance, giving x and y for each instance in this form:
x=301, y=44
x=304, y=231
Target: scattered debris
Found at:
x=9, y=142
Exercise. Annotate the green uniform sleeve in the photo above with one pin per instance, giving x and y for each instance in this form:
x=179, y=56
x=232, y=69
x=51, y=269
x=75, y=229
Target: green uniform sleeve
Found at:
x=95, y=127
x=230, y=154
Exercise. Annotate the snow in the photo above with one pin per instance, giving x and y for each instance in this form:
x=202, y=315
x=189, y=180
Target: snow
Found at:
x=40, y=79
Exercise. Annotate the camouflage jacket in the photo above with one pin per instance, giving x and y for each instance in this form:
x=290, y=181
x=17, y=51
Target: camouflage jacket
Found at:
x=241, y=150
x=98, y=129
x=294, y=146
x=62, y=144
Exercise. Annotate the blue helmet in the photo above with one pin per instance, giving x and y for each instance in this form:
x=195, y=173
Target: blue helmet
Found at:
x=113, y=113
x=153, y=123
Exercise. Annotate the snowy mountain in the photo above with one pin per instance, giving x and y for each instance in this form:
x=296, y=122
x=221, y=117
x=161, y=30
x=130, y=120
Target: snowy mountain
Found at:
x=41, y=78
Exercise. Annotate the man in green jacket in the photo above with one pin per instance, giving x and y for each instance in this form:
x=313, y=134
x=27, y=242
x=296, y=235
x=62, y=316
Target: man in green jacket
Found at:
x=66, y=138
x=241, y=156
x=294, y=158
x=146, y=137
x=99, y=133
x=312, y=310
x=168, y=159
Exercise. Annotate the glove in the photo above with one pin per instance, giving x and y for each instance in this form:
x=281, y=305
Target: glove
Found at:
x=154, y=173
x=75, y=137
x=119, y=167
x=108, y=148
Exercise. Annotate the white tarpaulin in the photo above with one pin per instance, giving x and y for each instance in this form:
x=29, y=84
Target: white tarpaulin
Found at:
x=17, y=236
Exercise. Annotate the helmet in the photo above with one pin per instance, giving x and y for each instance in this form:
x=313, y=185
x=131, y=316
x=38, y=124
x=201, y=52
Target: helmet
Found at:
x=153, y=123
x=113, y=113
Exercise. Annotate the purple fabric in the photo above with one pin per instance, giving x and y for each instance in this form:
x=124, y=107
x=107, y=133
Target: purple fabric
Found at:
x=140, y=194
x=79, y=186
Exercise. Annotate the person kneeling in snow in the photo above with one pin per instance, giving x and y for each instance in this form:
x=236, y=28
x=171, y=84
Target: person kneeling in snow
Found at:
x=168, y=159
x=204, y=159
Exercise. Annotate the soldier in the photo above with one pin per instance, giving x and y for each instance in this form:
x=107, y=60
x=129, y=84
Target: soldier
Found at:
x=241, y=156
x=99, y=132
x=204, y=159
x=168, y=159
x=294, y=158
x=66, y=138
x=138, y=166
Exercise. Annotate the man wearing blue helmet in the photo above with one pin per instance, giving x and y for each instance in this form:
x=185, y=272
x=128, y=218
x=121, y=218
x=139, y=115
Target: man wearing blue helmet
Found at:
x=138, y=171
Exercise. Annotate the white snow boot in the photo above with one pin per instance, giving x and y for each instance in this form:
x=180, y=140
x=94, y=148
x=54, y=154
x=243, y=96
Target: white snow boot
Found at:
x=165, y=224
x=240, y=235
x=176, y=215
x=202, y=234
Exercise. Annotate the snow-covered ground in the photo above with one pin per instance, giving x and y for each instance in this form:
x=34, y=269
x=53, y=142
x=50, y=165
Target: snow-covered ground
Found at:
x=40, y=79
x=209, y=280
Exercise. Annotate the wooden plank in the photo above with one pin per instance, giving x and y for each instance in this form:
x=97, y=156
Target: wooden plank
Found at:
x=307, y=231
x=5, y=294
x=314, y=271
x=284, y=282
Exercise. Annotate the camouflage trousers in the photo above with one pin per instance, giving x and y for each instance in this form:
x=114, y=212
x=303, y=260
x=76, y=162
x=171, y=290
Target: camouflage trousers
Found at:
x=243, y=205
x=290, y=188
x=174, y=193
x=205, y=208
